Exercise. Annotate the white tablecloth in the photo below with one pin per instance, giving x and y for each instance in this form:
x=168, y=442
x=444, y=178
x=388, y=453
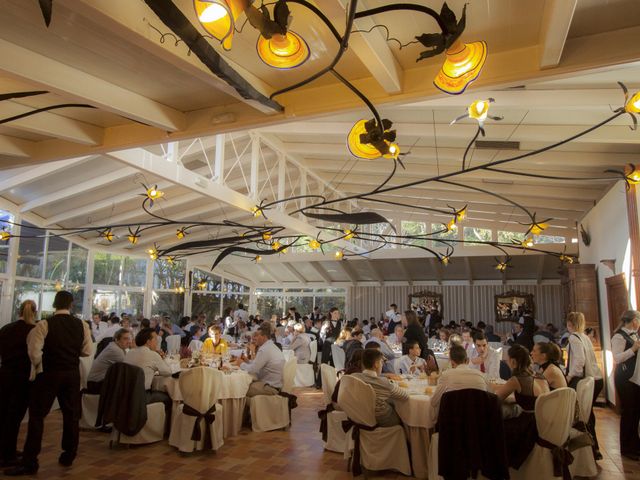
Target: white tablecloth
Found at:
x=288, y=354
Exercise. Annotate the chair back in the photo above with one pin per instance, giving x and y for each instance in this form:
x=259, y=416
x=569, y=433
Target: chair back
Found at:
x=173, y=344
x=339, y=357
x=313, y=347
x=584, y=392
x=289, y=374
x=540, y=339
x=358, y=400
x=329, y=380
x=554, y=414
x=200, y=387
x=85, y=368
x=496, y=345
x=195, y=345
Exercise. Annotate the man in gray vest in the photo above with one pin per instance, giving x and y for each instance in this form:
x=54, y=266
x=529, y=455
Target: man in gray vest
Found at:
x=55, y=346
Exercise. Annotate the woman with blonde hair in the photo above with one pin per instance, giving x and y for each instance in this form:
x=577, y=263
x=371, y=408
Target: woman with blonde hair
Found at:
x=14, y=380
x=581, y=363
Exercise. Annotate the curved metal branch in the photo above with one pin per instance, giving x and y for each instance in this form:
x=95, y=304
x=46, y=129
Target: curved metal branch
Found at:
x=466, y=151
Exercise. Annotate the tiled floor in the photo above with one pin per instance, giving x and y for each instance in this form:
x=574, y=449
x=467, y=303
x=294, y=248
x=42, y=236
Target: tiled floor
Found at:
x=297, y=453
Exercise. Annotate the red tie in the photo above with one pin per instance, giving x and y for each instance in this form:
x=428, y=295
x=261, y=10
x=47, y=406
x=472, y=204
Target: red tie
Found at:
x=482, y=367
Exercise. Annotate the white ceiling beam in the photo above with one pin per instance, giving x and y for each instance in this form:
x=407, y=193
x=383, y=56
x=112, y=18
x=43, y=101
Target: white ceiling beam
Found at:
x=148, y=162
x=268, y=273
x=556, y=22
x=295, y=273
x=405, y=271
x=540, y=269
x=129, y=216
x=370, y=46
x=375, y=272
x=469, y=269
x=26, y=175
x=320, y=270
x=348, y=269
x=75, y=84
x=16, y=147
x=436, y=268
x=52, y=125
x=78, y=188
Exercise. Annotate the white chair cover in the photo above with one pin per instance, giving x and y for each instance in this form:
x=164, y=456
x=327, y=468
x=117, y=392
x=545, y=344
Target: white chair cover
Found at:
x=541, y=339
x=153, y=430
x=85, y=367
x=338, y=356
x=173, y=344
x=329, y=380
x=305, y=374
x=554, y=417
x=89, y=411
x=271, y=412
x=584, y=464
x=384, y=448
x=195, y=345
x=200, y=388
x=313, y=346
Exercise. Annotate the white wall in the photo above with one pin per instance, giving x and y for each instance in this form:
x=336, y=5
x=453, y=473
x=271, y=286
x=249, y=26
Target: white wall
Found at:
x=471, y=302
x=607, y=224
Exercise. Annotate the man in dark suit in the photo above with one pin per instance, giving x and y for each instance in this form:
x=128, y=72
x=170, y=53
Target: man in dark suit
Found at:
x=329, y=332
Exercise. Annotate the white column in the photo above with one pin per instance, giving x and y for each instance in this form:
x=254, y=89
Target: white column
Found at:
x=88, y=289
x=148, y=290
x=188, y=292
x=255, y=157
x=219, y=159
x=9, y=284
x=282, y=175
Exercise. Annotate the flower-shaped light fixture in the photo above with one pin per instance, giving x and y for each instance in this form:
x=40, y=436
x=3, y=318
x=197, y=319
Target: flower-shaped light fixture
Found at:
x=219, y=17
x=133, y=237
x=153, y=252
x=445, y=259
x=478, y=110
x=5, y=235
x=339, y=255
x=536, y=227
x=369, y=141
x=349, y=234
x=633, y=104
x=153, y=194
x=502, y=265
x=283, y=51
x=566, y=258
x=107, y=235
x=202, y=284
x=462, y=66
x=633, y=175
x=461, y=214
x=314, y=244
x=171, y=260
x=257, y=258
x=58, y=286
x=257, y=211
x=266, y=236
x=181, y=233
x=276, y=245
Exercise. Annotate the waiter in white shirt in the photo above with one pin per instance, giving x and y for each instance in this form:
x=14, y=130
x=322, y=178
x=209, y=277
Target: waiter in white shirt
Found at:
x=483, y=357
x=267, y=367
x=393, y=316
x=624, y=346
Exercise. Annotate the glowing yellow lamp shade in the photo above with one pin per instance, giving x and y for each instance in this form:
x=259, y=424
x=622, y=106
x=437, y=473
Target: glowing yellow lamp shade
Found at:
x=479, y=110
x=633, y=105
x=366, y=150
x=633, y=177
x=462, y=66
x=218, y=17
x=538, y=228
x=283, y=51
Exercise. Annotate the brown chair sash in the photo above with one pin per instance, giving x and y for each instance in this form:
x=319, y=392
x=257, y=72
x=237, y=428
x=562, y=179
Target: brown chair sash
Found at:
x=562, y=458
x=209, y=418
x=355, y=434
x=322, y=415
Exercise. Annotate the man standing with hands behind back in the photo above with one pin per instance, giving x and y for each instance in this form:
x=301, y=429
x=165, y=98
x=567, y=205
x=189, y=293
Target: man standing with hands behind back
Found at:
x=55, y=346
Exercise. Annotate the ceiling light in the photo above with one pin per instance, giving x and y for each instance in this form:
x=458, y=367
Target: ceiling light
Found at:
x=349, y=234
x=462, y=66
x=266, y=236
x=369, y=141
x=339, y=255
x=5, y=236
x=218, y=17
x=314, y=244
x=283, y=51
x=633, y=105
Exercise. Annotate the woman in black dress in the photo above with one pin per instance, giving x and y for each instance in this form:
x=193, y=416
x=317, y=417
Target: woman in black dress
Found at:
x=14, y=380
x=415, y=333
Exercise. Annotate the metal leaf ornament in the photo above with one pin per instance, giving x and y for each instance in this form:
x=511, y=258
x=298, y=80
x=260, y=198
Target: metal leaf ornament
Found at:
x=439, y=42
x=360, y=218
x=253, y=251
x=379, y=136
x=46, y=6
x=625, y=107
x=261, y=20
x=9, y=96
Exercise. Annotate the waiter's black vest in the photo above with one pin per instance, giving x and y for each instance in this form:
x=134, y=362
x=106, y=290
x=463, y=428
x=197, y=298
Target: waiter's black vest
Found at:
x=63, y=343
x=625, y=369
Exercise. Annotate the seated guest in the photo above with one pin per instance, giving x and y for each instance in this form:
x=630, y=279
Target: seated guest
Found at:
x=345, y=335
x=455, y=339
x=467, y=341
x=459, y=377
x=443, y=335
x=378, y=338
x=185, y=350
x=147, y=356
x=215, y=343
x=98, y=326
x=397, y=337
x=520, y=431
x=483, y=357
x=386, y=392
x=491, y=337
x=267, y=366
x=412, y=363
x=300, y=344
x=353, y=344
x=111, y=330
x=113, y=352
x=352, y=366
x=547, y=356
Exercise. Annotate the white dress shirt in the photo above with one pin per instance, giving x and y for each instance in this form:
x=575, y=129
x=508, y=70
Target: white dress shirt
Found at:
x=618, y=343
x=582, y=359
x=150, y=362
x=97, y=330
x=300, y=347
x=108, y=332
x=384, y=348
x=459, y=378
x=268, y=365
x=408, y=366
x=491, y=362
x=110, y=355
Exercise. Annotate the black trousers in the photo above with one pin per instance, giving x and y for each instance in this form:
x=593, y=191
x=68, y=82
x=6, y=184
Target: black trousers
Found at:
x=94, y=388
x=14, y=402
x=65, y=386
x=629, y=394
x=591, y=424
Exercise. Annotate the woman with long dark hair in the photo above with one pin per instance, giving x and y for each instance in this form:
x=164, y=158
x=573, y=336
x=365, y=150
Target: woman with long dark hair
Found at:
x=415, y=333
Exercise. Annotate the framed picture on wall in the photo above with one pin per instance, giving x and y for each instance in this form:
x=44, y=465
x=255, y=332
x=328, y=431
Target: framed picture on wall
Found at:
x=425, y=303
x=511, y=305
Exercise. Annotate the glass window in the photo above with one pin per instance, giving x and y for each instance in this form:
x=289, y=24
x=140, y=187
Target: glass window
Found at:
x=57, y=253
x=106, y=269
x=233, y=289
x=49, y=291
x=267, y=305
x=131, y=303
x=168, y=275
x=510, y=237
x=328, y=302
x=78, y=298
x=475, y=234
x=134, y=272
x=78, y=265
x=105, y=301
x=548, y=239
x=25, y=291
x=410, y=227
x=31, y=252
x=304, y=305
x=4, y=246
x=169, y=304
x=205, y=303
x=439, y=231
x=235, y=300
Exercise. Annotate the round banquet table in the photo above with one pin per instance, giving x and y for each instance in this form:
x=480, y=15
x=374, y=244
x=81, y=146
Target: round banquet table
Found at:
x=232, y=397
x=417, y=416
